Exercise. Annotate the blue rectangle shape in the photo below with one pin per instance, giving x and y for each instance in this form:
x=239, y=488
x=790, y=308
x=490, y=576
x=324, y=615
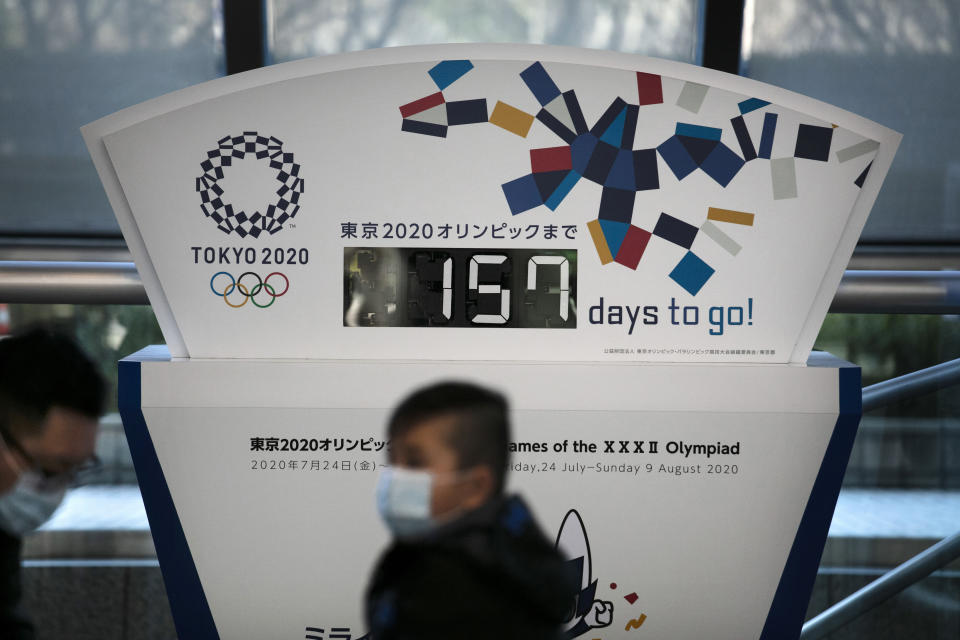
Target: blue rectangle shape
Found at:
x=562, y=190
x=613, y=135
x=614, y=233
x=621, y=174
x=766, y=138
x=675, y=230
x=691, y=273
x=581, y=150
x=467, y=112
x=696, y=131
x=743, y=137
x=522, y=194
x=722, y=164
x=540, y=83
x=447, y=72
x=677, y=157
x=751, y=104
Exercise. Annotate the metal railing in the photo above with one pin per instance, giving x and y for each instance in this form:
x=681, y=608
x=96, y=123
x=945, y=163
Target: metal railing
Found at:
x=883, y=588
x=54, y=282
x=936, y=292
x=911, y=385
x=49, y=282
x=923, y=564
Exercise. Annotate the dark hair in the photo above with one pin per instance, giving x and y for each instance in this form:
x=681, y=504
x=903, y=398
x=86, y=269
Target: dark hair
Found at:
x=479, y=435
x=39, y=370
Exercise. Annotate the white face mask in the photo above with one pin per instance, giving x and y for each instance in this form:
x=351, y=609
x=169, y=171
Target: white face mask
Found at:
x=403, y=500
x=30, y=503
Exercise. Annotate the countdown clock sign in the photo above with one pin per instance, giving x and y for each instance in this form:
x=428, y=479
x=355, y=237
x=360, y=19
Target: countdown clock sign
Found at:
x=405, y=287
x=461, y=202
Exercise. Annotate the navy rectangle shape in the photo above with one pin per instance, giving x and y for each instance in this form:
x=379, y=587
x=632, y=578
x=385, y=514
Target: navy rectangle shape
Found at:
x=645, y=172
x=630, y=127
x=766, y=137
x=467, y=112
x=576, y=114
x=616, y=204
x=601, y=162
x=676, y=231
x=743, y=137
x=426, y=128
x=556, y=126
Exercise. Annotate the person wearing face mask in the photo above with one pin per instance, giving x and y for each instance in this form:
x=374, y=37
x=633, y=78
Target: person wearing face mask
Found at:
x=51, y=398
x=466, y=561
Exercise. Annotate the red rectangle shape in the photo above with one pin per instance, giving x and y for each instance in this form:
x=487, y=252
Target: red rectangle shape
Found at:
x=422, y=104
x=551, y=159
x=632, y=247
x=649, y=88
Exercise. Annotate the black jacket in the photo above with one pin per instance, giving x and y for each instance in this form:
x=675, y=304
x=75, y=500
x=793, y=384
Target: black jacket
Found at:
x=489, y=574
x=13, y=624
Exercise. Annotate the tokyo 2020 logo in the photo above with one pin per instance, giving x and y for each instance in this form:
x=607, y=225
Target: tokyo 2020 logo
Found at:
x=216, y=205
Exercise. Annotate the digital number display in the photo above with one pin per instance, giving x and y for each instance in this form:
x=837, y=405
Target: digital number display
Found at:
x=410, y=287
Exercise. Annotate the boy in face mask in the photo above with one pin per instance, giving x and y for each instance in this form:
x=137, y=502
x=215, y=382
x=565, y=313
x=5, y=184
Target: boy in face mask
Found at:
x=466, y=561
x=51, y=397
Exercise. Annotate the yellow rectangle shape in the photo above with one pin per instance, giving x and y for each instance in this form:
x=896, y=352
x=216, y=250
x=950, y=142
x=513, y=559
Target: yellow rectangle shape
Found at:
x=728, y=215
x=600, y=242
x=512, y=119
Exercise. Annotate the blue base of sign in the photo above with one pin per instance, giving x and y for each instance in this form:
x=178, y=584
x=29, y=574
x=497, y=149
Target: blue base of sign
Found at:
x=790, y=602
x=188, y=603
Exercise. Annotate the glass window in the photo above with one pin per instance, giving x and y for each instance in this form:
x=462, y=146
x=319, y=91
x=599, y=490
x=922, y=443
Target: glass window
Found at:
x=65, y=63
x=662, y=28
x=893, y=62
x=912, y=444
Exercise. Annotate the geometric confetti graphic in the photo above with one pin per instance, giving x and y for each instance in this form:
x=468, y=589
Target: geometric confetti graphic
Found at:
x=691, y=273
x=603, y=154
x=635, y=624
x=214, y=202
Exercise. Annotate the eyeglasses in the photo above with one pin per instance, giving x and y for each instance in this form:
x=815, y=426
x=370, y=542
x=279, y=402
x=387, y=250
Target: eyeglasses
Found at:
x=86, y=467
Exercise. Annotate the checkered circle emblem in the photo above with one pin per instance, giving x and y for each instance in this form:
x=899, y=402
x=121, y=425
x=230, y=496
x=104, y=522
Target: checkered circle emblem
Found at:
x=214, y=203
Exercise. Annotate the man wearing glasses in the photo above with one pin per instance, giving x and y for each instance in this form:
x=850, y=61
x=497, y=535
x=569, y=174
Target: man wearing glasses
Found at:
x=51, y=399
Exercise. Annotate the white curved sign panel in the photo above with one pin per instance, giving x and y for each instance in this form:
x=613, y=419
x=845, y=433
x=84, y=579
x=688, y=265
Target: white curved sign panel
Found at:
x=490, y=202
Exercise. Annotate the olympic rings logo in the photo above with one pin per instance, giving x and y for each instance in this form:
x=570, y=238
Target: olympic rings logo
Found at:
x=249, y=294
